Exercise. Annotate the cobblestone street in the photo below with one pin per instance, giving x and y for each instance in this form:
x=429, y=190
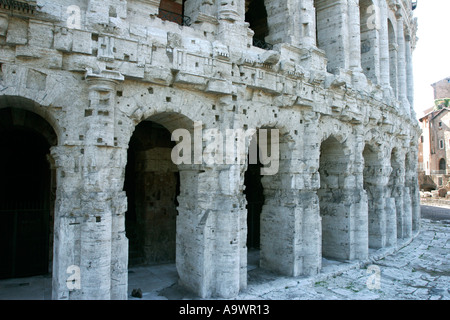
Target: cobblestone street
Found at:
x=420, y=270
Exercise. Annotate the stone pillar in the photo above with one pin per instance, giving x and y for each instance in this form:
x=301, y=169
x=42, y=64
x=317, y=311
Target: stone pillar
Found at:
x=377, y=218
x=332, y=33
x=290, y=221
x=407, y=214
x=284, y=22
x=67, y=223
x=384, y=48
x=401, y=62
x=232, y=29
x=391, y=221
x=307, y=23
x=409, y=75
x=209, y=245
x=354, y=36
x=280, y=223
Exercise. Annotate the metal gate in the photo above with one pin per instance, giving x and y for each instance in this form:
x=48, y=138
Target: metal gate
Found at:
x=24, y=239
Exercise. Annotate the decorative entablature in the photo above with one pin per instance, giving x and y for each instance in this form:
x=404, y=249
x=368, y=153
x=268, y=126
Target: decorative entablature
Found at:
x=289, y=76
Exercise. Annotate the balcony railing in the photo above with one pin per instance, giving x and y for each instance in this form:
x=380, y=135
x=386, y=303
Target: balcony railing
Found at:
x=17, y=5
x=262, y=44
x=438, y=171
x=174, y=17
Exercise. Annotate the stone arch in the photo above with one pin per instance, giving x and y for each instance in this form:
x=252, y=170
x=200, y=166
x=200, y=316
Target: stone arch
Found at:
x=333, y=164
x=28, y=188
x=165, y=196
x=27, y=104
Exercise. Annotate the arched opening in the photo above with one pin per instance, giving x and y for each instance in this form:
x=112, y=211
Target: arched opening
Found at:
x=442, y=165
x=393, y=57
x=256, y=16
x=27, y=191
x=152, y=187
x=369, y=41
x=254, y=195
x=333, y=211
x=372, y=182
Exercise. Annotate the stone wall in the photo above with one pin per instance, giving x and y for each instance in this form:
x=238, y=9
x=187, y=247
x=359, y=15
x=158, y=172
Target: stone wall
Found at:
x=95, y=70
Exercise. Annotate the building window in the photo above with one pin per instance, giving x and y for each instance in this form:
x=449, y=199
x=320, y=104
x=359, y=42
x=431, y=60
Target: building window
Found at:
x=442, y=164
x=441, y=144
x=421, y=139
x=440, y=124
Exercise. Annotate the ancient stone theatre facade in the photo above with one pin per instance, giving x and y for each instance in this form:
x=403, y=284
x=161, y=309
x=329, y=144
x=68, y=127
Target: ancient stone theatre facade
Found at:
x=91, y=92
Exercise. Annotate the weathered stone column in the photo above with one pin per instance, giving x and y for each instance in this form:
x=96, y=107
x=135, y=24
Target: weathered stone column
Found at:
x=375, y=180
x=384, y=50
x=401, y=61
x=354, y=36
x=232, y=28
x=290, y=220
x=307, y=23
x=332, y=33
x=283, y=20
x=409, y=75
x=67, y=223
x=391, y=221
x=100, y=190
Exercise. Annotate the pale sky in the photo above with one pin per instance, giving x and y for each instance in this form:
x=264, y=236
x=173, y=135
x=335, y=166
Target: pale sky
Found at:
x=431, y=58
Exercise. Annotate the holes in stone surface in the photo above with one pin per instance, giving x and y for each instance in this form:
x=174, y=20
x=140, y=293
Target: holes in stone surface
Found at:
x=112, y=12
x=217, y=117
x=150, y=90
x=98, y=219
x=119, y=93
x=99, y=140
x=213, y=107
x=94, y=37
x=88, y=112
x=168, y=99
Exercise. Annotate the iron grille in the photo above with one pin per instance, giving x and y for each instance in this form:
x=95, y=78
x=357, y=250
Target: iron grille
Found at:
x=262, y=44
x=17, y=5
x=174, y=17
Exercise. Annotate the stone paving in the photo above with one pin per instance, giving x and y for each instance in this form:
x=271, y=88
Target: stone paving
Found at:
x=418, y=271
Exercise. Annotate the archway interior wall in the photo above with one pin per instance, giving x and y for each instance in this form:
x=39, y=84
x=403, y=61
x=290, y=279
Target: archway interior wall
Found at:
x=376, y=175
x=335, y=201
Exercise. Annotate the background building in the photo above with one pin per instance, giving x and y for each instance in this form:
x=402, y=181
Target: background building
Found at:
x=435, y=138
